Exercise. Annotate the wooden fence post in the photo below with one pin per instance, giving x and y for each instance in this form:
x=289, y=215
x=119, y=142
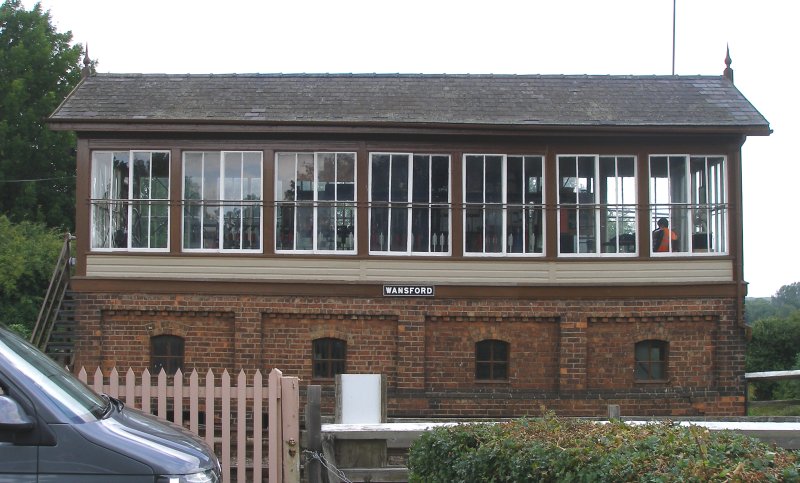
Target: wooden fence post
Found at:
x=290, y=420
x=314, y=432
x=275, y=428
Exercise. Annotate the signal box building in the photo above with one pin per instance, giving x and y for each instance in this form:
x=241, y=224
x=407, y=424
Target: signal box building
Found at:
x=485, y=241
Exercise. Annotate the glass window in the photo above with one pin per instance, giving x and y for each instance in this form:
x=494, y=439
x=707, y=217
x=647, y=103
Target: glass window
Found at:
x=130, y=200
x=222, y=201
x=328, y=357
x=409, y=204
x=651, y=360
x=688, y=204
x=166, y=353
x=597, y=204
x=315, y=202
x=491, y=360
x=503, y=204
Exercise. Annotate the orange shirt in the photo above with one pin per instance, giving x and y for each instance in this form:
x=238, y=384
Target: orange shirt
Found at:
x=669, y=236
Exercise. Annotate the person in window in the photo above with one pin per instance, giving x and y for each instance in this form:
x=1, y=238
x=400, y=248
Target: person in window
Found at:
x=663, y=237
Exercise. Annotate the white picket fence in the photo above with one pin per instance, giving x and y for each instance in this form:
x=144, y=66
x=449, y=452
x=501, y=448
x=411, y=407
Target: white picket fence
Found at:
x=223, y=404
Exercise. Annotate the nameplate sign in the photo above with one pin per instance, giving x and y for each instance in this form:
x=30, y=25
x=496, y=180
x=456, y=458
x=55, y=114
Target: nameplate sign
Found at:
x=408, y=291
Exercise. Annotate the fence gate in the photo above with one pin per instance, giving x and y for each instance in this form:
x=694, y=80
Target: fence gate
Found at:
x=229, y=417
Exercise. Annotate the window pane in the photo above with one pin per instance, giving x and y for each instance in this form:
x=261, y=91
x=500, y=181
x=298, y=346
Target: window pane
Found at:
x=399, y=178
x=211, y=175
x=500, y=351
x=305, y=177
x=232, y=228
x=533, y=179
x=483, y=351
x=440, y=227
x=284, y=227
x=494, y=179
x=326, y=223
x=399, y=229
x=284, y=177
x=515, y=239
x=379, y=229
x=514, y=179
x=421, y=179
x=141, y=176
x=160, y=175
x=500, y=371
x=251, y=227
x=482, y=370
x=233, y=177
x=345, y=219
x=677, y=180
x=192, y=176
x=326, y=176
x=533, y=233
x=159, y=224
x=494, y=230
x=420, y=230
x=345, y=175
x=337, y=349
x=380, y=177
x=305, y=228
x=474, y=179
x=440, y=179
x=473, y=230
x=211, y=227
x=251, y=172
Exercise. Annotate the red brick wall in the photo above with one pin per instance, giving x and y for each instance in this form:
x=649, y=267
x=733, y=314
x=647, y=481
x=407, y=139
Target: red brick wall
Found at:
x=571, y=356
x=450, y=352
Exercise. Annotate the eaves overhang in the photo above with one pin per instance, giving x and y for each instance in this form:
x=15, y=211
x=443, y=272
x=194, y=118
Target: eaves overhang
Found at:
x=383, y=127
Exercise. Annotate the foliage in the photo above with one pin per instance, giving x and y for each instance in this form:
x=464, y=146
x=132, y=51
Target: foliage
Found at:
x=788, y=295
x=38, y=68
x=28, y=254
x=775, y=346
x=785, y=301
x=557, y=449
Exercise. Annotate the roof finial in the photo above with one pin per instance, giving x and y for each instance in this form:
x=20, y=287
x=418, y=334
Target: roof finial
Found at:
x=728, y=73
x=87, y=64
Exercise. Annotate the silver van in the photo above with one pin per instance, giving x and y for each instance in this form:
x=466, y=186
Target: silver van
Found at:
x=55, y=429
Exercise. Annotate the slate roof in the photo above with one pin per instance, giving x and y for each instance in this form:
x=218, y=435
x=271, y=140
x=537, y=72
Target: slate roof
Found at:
x=409, y=99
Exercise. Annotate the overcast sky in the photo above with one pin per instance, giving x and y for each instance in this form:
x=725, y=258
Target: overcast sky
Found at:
x=500, y=37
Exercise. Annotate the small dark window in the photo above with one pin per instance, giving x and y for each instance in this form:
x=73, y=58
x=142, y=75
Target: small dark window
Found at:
x=328, y=357
x=651, y=360
x=166, y=352
x=491, y=360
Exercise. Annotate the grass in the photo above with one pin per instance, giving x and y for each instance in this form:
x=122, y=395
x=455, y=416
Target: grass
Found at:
x=775, y=408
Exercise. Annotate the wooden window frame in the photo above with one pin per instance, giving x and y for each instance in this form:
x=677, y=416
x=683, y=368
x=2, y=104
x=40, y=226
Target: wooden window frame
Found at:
x=500, y=244
x=167, y=361
x=492, y=363
x=648, y=364
x=331, y=366
x=438, y=245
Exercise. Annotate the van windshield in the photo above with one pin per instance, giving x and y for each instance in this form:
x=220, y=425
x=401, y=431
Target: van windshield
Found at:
x=71, y=396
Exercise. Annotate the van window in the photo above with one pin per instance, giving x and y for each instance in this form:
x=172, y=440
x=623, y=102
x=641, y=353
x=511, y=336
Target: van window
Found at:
x=72, y=397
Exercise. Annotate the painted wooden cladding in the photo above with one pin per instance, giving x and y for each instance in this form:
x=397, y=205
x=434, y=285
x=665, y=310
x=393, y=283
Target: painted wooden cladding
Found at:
x=428, y=271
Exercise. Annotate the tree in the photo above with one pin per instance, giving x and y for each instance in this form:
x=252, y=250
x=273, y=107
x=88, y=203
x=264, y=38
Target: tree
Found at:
x=28, y=254
x=774, y=346
x=788, y=295
x=38, y=68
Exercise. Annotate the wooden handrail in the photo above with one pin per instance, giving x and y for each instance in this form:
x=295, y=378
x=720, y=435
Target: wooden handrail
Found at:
x=54, y=296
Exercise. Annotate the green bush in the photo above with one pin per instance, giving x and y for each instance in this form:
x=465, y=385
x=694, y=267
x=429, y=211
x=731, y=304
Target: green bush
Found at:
x=572, y=450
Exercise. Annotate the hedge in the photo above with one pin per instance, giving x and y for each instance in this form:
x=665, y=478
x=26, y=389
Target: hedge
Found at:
x=573, y=450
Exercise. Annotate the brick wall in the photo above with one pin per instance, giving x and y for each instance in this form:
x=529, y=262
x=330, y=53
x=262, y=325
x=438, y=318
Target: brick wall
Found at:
x=571, y=356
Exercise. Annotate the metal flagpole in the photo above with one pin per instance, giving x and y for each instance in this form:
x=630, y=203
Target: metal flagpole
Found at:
x=673, y=35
